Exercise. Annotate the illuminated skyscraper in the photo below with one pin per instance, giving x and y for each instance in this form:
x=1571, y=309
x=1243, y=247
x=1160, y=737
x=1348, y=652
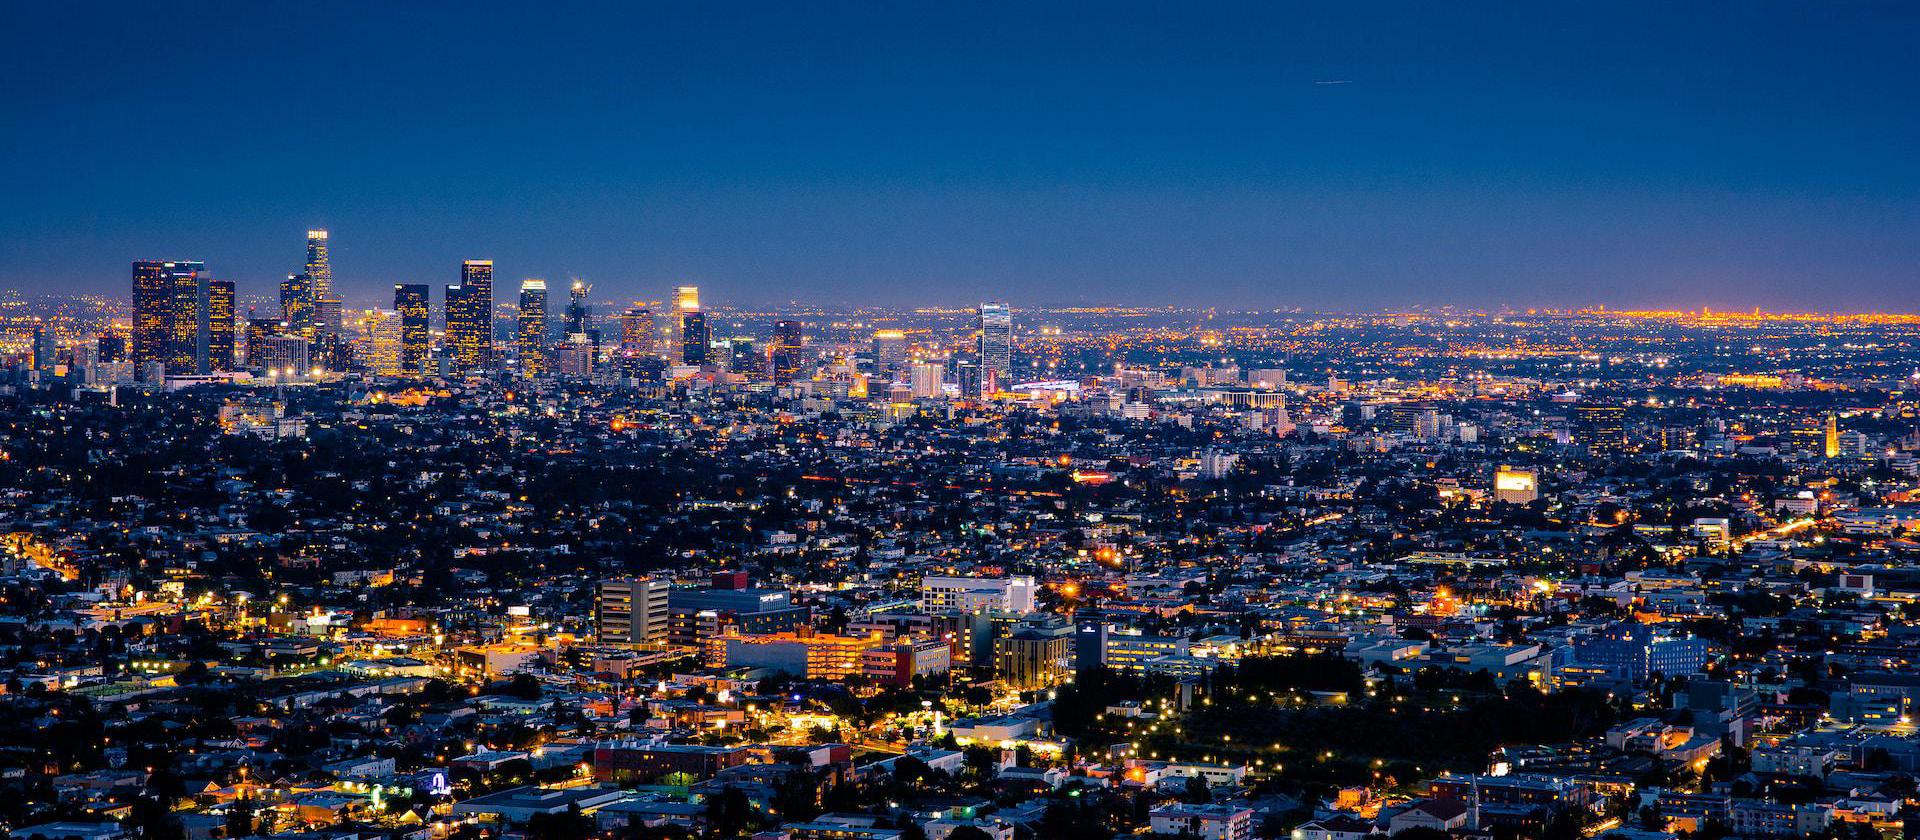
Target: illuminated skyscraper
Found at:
x=1602, y=427
x=169, y=304
x=258, y=331
x=996, y=345
x=296, y=305
x=889, y=353
x=694, y=339
x=530, y=339
x=579, y=317
x=377, y=346
x=789, y=344
x=929, y=380
x=690, y=325
x=637, y=341
x=1832, y=442
x=410, y=300
x=470, y=316
x=220, y=325
x=327, y=317
x=319, y=270
x=744, y=356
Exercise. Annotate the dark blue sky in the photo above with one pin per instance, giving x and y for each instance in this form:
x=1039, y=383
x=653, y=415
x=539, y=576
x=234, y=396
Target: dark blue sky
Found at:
x=1328, y=155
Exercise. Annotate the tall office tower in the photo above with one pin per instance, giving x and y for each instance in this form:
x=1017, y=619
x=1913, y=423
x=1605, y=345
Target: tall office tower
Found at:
x=296, y=305
x=287, y=357
x=410, y=300
x=996, y=345
x=889, y=353
x=377, y=341
x=258, y=331
x=789, y=343
x=531, y=336
x=1832, y=447
x=694, y=340
x=637, y=342
x=470, y=316
x=168, y=306
x=152, y=285
x=328, y=320
x=42, y=348
x=111, y=348
x=690, y=325
x=1602, y=427
x=744, y=357
x=631, y=611
x=579, y=318
x=220, y=325
x=319, y=270
x=929, y=380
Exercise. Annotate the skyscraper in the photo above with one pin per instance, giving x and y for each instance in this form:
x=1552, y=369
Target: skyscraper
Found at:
x=789, y=342
x=470, y=316
x=220, y=326
x=929, y=380
x=694, y=339
x=378, y=345
x=169, y=300
x=889, y=353
x=296, y=305
x=319, y=270
x=530, y=339
x=328, y=313
x=637, y=341
x=579, y=316
x=410, y=300
x=1831, y=443
x=259, y=330
x=996, y=345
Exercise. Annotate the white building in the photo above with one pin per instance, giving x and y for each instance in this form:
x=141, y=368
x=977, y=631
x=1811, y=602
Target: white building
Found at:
x=1007, y=594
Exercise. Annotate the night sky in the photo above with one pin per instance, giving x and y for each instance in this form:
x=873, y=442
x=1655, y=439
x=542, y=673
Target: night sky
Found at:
x=1325, y=155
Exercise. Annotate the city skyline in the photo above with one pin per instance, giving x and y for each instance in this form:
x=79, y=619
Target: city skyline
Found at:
x=1253, y=157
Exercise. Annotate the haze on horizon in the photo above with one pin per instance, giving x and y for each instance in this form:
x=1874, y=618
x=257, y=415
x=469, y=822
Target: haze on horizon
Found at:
x=1244, y=155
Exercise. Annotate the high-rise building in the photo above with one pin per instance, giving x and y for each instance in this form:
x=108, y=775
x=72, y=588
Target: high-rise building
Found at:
x=296, y=305
x=789, y=345
x=328, y=316
x=319, y=270
x=470, y=317
x=530, y=339
x=579, y=313
x=1602, y=428
x=694, y=339
x=258, y=331
x=631, y=611
x=410, y=300
x=168, y=307
x=744, y=356
x=637, y=342
x=996, y=345
x=287, y=357
x=691, y=324
x=220, y=326
x=377, y=343
x=929, y=380
x=1832, y=442
x=889, y=353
